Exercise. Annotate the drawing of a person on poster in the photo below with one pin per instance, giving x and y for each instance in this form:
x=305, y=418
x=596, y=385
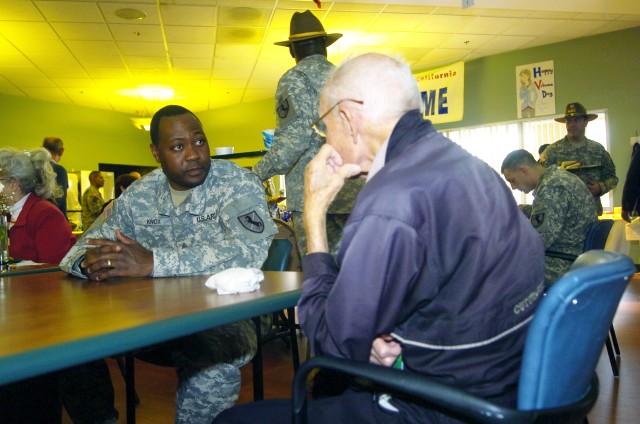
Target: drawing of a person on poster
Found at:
x=528, y=95
x=535, y=89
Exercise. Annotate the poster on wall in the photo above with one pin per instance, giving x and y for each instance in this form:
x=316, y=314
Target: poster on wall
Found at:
x=442, y=93
x=535, y=89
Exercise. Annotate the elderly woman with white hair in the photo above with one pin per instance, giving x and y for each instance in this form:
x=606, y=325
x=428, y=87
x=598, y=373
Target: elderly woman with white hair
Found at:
x=38, y=231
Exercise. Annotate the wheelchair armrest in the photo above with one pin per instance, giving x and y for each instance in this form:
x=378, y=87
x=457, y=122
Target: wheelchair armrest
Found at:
x=447, y=398
x=406, y=382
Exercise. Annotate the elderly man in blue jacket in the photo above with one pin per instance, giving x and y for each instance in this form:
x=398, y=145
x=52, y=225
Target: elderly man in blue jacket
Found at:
x=438, y=270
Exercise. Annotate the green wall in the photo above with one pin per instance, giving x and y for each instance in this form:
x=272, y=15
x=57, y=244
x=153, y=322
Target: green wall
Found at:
x=90, y=136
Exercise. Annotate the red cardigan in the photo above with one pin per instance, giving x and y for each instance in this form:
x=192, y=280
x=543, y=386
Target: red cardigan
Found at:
x=41, y=234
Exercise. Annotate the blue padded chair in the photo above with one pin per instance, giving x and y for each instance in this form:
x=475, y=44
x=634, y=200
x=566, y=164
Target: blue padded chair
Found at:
x=596, y=238
x=279, y=255
x=281, y=325
x=557, y=379
x=597, y=235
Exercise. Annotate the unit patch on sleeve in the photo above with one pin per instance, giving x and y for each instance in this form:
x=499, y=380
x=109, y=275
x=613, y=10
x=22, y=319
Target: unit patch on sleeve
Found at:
x=108, y=211
x=283, y=109
x=537, y=220
x=252, y=222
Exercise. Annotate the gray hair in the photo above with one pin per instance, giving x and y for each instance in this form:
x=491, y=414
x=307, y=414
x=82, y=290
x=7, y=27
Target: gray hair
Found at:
x=32, y=169
x=385, y=85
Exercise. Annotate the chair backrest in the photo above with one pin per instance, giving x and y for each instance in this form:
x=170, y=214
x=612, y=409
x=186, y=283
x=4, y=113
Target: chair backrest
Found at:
x=278, y=256
x=597, y=234
x=568, y=331
x=285, y=231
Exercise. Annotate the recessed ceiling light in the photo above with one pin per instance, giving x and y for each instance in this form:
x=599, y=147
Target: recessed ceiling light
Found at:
x=244, y=13
x=130, y=14
x=242, y=33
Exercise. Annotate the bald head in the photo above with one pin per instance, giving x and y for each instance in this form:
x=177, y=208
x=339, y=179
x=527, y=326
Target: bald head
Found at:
x=361, y=103
x=384, y=84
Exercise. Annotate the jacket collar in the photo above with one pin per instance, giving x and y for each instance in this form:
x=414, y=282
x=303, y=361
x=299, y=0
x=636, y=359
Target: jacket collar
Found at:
x=196, y=201
x=407, y=131
x=32, y=199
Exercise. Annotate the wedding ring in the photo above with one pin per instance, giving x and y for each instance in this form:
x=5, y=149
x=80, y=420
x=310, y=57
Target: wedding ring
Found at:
x=108, y=262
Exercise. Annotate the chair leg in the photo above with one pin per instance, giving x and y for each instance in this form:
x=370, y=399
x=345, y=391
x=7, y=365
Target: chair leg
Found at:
x=258, y=383
x=614, y=339
x=130, y=383
x=612, y=358
x=293, y=337
x=122, y=367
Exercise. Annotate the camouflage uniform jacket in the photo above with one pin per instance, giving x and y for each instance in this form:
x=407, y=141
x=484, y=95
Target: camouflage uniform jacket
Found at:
x=562, y=210
x=92, y=203
x=294, y=141
x=223, y=223
x=591, y=154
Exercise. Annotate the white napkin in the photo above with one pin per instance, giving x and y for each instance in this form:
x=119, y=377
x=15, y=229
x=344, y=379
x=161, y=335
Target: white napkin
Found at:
x=25, y=263
x=236, y=280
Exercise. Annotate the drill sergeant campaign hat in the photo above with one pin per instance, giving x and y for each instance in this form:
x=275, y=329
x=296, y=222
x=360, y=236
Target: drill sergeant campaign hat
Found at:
x=576, y=109
x=304, y=26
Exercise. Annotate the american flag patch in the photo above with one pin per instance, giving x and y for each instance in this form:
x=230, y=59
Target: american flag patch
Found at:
x=108, y=210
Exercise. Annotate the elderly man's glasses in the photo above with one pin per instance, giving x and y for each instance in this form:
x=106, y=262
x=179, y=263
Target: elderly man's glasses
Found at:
x=319, y=127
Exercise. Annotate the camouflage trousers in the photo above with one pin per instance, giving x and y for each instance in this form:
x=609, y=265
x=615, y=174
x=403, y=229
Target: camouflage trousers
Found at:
x=554, y=268
x=335, y=226
x=208, y=367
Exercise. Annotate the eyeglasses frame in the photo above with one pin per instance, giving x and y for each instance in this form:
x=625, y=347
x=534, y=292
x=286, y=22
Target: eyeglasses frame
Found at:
x=315, y=124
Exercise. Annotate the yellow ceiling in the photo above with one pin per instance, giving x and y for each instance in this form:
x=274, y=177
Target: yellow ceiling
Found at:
x=216, y=53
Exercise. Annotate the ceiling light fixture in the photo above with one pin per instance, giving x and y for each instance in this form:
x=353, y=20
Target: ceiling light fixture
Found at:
x=152, y=93
x=156, y=92
x=130, y=14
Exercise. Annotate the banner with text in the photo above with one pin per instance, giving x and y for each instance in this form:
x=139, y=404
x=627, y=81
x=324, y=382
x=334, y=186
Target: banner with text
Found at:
x=443, y=93
x=535, y=89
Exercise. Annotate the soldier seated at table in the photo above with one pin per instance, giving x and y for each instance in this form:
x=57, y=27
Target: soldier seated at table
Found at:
x=195, y=216
x=562, y=209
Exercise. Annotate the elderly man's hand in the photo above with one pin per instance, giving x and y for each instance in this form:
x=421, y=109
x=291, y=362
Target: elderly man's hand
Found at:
x=122, y=258
x=323, y=179
x=385, y=350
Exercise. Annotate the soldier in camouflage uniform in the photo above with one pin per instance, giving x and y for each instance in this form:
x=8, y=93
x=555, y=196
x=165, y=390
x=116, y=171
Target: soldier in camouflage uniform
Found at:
x=195, y=216
x=562, y=209
x=92, y=200
x=600, y=177
x=294, y=141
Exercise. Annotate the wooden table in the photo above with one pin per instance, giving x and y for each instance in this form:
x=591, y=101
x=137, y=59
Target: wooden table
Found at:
x=50, y=321
x=28, y=269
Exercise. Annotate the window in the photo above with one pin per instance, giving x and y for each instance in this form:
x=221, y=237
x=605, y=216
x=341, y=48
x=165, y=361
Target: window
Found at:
x=493, y=142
